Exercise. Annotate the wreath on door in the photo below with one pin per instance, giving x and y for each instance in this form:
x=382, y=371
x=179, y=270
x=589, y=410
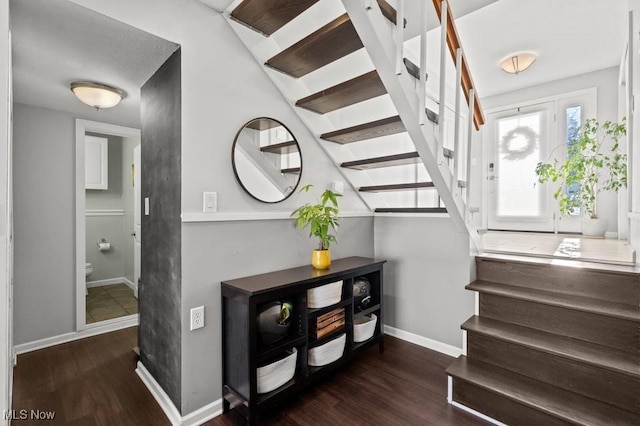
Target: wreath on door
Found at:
x=511, y=152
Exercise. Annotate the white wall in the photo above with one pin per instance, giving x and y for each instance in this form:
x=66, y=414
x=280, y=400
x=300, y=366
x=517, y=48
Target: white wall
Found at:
x=428, y=266
x=6, y=362
x=44, y=206
x=606, y=83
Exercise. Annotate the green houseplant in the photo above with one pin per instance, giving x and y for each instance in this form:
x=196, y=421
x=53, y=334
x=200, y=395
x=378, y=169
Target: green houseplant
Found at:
x=594, y=163
x=321, y=218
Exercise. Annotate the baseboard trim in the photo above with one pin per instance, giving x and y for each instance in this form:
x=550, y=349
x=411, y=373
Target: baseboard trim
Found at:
x=194, y=418
x=126, y=281
x=76, y=335
x=477, y=414
x=203, y=415
x=425, y=342
x=109, y=281
x=611, y=235
x=159, y=394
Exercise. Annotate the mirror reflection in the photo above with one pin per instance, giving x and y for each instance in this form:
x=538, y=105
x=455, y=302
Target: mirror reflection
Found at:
x=266, y=160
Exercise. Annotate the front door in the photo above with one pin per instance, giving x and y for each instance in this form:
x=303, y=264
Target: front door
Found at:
x=519, y=140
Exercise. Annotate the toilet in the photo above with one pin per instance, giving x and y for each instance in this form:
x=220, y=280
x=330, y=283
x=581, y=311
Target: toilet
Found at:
x=88, y=270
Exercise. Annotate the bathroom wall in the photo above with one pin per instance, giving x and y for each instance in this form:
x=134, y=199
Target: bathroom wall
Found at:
x=44, y=225
x=115, y=229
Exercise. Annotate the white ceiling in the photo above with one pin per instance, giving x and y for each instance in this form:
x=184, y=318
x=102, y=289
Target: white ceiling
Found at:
x=570, y=37
x=55, y=42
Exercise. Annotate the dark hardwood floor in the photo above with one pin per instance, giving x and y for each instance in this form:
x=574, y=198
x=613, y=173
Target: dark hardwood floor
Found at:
x=93, y=382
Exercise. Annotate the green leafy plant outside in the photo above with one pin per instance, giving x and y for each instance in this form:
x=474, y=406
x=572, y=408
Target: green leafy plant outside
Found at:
x=589, y=169
x=321, y=218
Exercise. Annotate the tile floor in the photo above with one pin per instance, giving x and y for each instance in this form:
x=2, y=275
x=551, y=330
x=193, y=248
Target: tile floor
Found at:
x=110, y=301
x=559, y=246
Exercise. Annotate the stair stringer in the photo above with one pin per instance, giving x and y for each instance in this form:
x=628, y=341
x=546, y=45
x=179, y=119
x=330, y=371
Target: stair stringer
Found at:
x=292, y=89
x=378, y=41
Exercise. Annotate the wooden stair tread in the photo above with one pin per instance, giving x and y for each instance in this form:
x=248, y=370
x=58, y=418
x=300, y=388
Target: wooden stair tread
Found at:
x=384, y=161
x=582, y=351
x=333, y=41
x=579, y=303
x=292, y=170
x=413, y=69
x=287, y=147
x=374, y=129
x=411, y=210
x=389, y=12
x=554, y=401
x=268, y=16
x=358, y=89
x=397, y=187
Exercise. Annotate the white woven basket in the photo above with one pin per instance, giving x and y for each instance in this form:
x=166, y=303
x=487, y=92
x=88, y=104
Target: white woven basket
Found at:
x=327, y=353
x=364, y=327
x=276, y=374
x=325, y=295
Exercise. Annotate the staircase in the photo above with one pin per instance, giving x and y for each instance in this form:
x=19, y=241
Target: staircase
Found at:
x=350, y=82
x=551, y=345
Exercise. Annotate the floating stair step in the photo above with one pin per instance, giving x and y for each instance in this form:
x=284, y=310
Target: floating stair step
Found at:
x=364, y=87
x=268, y=16
x=606, y=323
x=292, y=170
x=398, y=187
x=411, y=210
x=386, y=161
x=595, y=371
x=413, y=69
x=288, y=147
x=579, y=303
x=374, y=129
x=516, y=399
x=331, y=42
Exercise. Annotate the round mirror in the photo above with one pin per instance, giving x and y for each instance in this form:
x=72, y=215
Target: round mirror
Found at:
x=266, y=160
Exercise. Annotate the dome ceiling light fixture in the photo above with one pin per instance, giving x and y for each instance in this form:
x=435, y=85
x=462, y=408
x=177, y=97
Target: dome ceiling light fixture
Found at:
x=97, y=95
x=518, y=62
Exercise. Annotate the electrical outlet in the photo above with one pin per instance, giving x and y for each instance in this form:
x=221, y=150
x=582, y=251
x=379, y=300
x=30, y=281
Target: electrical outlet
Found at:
x=197, y=318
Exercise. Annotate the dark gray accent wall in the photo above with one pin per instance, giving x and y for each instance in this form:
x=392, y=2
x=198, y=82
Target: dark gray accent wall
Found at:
x=161, y=268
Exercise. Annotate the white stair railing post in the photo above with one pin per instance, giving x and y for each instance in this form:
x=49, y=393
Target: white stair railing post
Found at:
x=443, y=77
x=422, y=87
x=472, y=99
x=399, y=33
x=456, y=134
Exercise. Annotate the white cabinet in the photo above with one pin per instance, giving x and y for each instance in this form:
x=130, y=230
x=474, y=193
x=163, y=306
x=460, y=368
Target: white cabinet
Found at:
x=96, y=162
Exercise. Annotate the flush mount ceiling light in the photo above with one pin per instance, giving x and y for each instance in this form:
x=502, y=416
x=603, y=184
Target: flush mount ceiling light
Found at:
x=97, y=95
x=517, y=63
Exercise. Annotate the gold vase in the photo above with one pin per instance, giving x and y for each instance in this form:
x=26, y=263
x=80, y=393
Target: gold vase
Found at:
x=321, y=259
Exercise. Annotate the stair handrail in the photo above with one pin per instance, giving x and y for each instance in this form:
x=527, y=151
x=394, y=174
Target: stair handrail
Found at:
x=453, y=41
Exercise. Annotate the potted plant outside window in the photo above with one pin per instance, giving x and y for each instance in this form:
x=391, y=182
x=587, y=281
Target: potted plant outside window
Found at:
x=594, y=163
x=321, y=218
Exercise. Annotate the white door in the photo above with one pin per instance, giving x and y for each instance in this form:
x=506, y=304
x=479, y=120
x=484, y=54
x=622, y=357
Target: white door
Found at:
x=518, y=140
x=137, y=228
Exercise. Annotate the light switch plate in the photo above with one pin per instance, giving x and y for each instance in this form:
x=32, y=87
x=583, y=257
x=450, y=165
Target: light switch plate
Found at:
x=146, y=206
x=337, y=187
x=209, y=202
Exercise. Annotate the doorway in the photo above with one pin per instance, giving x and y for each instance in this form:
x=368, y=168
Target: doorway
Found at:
x=106, y=237
x=517, y=138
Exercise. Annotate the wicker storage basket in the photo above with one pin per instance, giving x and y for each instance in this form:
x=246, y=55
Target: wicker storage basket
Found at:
x=364, y=327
